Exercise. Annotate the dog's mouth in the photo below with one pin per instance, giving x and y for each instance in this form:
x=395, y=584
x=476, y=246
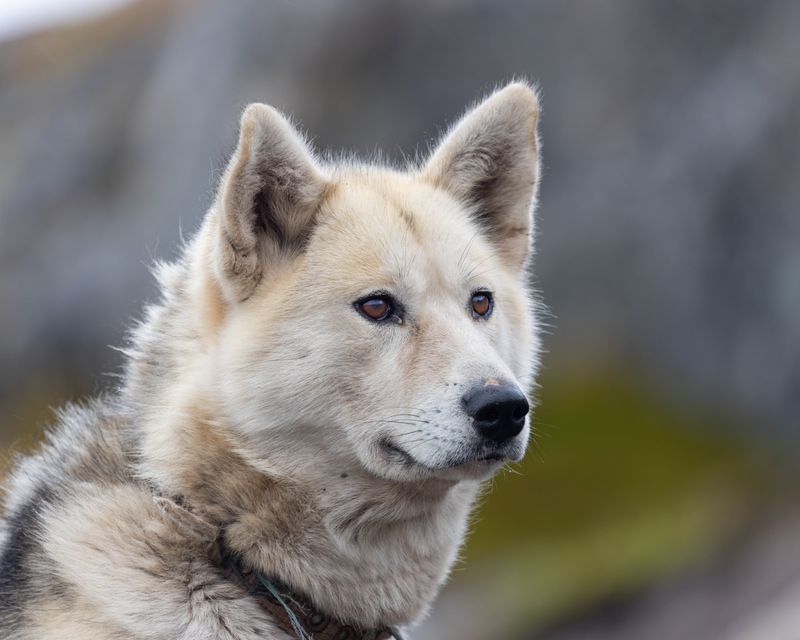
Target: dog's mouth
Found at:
x=492, y=457
x=398, y=453
x=479, y=455
x=486, y=453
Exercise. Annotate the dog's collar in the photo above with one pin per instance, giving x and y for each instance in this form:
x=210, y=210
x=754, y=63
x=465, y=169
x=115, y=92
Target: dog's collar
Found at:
x=291, y=612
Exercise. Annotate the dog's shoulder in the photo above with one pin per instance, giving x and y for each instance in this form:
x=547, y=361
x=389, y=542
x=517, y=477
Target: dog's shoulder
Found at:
x=90, y=443
x=88, y=448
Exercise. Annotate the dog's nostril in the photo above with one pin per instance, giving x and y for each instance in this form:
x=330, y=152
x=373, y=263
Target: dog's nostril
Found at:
x=489, y=413
x=520, y=411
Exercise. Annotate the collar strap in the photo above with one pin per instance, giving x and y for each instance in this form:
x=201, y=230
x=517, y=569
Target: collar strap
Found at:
x=290, y=611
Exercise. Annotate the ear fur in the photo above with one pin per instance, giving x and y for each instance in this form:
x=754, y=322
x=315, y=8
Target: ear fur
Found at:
x=490, y=161
x=267, y=199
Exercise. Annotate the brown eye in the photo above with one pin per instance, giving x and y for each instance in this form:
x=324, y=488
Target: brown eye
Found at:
x=481, y=304
x=377, y=307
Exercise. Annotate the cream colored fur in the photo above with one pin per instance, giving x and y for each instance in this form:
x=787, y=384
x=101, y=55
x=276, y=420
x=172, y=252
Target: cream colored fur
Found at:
x=256, y=393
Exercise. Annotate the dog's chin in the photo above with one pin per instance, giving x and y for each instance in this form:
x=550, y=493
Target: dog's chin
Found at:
x=482, y=463
x=479, y=464
x=480, y=469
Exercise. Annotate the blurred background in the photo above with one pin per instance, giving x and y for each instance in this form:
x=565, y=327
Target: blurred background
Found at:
x=661, y=499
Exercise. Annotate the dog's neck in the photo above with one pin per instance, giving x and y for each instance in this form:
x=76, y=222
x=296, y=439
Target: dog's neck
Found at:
x=363, y=549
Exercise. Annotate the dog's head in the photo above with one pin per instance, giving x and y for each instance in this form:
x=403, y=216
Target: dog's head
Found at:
x=378, y=315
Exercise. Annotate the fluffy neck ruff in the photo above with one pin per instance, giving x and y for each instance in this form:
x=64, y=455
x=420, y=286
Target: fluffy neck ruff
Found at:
x=364, y=549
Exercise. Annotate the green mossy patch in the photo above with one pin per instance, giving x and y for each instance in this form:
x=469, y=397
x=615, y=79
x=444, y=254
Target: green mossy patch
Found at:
x=621, y=489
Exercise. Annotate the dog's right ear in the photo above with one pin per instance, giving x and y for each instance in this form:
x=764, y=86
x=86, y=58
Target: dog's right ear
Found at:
x=267, y=200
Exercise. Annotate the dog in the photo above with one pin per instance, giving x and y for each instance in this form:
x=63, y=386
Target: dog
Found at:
x=338, y=360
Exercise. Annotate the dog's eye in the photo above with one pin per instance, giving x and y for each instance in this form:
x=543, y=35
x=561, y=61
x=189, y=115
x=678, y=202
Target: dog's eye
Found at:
x=481, y=304
x=378, y=307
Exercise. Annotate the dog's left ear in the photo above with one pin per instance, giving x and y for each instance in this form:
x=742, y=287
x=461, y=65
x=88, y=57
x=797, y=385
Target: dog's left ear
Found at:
x=489, y=160
x=267, y=200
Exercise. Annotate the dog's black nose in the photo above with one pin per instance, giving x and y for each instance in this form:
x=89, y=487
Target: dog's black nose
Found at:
x=498, y=410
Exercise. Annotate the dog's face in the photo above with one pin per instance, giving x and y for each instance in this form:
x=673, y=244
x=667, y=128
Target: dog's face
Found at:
x=378, y=316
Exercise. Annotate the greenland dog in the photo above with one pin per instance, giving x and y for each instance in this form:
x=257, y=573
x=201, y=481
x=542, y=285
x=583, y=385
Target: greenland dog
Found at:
x=338, y=360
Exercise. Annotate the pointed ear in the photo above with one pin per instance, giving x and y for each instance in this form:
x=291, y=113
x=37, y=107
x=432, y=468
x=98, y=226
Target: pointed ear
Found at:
x=489, y=161
x=267, y=200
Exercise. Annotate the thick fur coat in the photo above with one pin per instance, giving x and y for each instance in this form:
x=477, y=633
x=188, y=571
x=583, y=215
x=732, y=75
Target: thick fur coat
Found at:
x=331, y=449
